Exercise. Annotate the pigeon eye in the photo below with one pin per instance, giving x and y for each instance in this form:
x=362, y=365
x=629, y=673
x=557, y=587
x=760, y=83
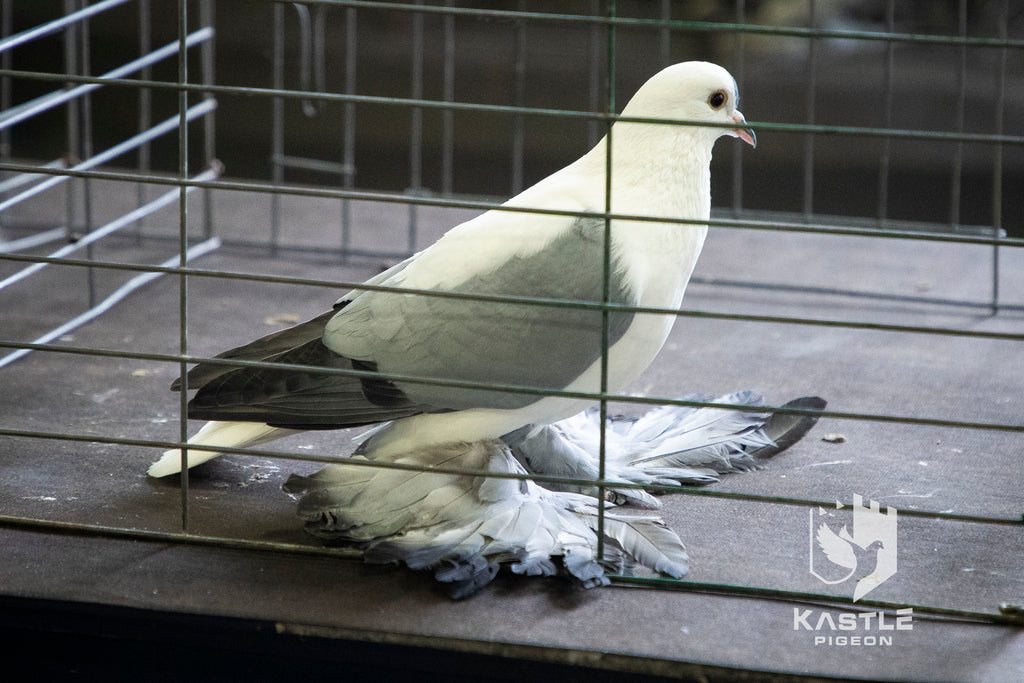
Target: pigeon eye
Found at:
x=717, y=99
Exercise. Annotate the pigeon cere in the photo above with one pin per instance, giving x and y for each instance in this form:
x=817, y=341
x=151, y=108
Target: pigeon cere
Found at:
x=417, y=320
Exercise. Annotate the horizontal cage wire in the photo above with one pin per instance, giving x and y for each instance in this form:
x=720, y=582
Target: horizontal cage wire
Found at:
x=868, y=251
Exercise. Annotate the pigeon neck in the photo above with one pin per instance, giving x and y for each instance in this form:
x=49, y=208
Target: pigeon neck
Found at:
x=656, y=172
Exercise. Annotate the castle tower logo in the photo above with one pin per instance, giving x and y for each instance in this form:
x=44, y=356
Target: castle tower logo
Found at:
x=866, y=555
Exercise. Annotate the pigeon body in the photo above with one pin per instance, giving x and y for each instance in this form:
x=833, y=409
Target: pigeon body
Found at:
x=657, y=170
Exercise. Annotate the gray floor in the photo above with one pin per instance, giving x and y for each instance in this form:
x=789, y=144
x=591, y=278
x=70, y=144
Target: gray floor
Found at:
x=952, y=564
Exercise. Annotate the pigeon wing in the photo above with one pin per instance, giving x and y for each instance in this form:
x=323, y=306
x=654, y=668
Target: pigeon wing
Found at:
x=492, y=342
x=279, y=342
x=836, y=549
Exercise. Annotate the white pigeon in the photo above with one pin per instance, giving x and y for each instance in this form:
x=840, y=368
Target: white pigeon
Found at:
x=657, y=170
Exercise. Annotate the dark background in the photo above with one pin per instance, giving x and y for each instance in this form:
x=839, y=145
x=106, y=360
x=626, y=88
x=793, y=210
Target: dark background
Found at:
x=775, y=72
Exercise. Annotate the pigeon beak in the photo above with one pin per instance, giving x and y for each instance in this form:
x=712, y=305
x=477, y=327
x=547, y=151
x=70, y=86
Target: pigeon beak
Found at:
x=746, y=133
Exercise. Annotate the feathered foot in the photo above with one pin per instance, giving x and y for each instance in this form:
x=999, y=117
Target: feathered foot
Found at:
x=668, y=446
x=464, y=527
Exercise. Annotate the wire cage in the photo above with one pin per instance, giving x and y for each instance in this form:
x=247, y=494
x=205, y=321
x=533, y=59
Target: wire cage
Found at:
x=161, y=201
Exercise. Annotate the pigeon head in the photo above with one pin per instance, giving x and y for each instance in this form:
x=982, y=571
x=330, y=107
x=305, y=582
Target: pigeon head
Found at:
x=693, y=91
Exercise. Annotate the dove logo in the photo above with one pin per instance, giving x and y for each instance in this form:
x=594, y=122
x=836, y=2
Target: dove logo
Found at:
x=867, y=555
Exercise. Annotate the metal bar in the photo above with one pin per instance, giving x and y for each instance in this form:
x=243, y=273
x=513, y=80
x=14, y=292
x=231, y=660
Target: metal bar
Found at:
x=693, y=26
x=309, y=107
x=447, y=115
x=395, y=255
x=53, y=526
x=32, y=241
x=71, y=119
x=518, y=99
x=816, y=129
x=816, y=598
x=87, y=148
x=98, y=234
x=183, y=250
x=595, y=129
x=809, y=101
x=30, y=524
x=606, y=275
x=277, y=131
x=665, y=34
x=349, y=131
x=399, y=198
x=415, y=126
x=92, y=83
x=207, y=56
x=740, y=75
x=311, y=55
x=956, y=176
x=58, y=24
x=14, y=182
x=107, y=303
x=568, y=303
x=112, y=153
x=885, y=159
x=520, y=476
x=319, y=165
x=621, y=398
x=145, y=117
x=6, y=26
x=997, y=156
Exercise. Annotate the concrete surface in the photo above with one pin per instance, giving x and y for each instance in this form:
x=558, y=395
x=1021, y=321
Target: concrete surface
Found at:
x=943, y=563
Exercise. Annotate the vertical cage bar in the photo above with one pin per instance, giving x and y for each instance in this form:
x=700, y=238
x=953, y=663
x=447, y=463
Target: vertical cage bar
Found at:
x=416, y=126
x=956, y=176
x=665, y=34
x=145, y=117
x=71, y=119
x=997, y=153
x=208, y=57
x=738, y=73
x=349, y=130
x=183, y=252
x=885, y=160
x=812, y=69
x=602, y=448
x=519, y=100
x=306, y=49
x=594, y=103
x=85, y=64
x=447, y=115
x=277, y=130
x=6, y=28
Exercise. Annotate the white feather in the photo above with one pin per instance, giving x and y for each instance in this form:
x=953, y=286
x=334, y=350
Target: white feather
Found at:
x=214, y=435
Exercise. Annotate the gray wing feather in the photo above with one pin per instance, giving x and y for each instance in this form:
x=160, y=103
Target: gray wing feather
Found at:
x=426, y=336
x=301, y=399
x=650, y=541
x=261, y=349
x=492, y=342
